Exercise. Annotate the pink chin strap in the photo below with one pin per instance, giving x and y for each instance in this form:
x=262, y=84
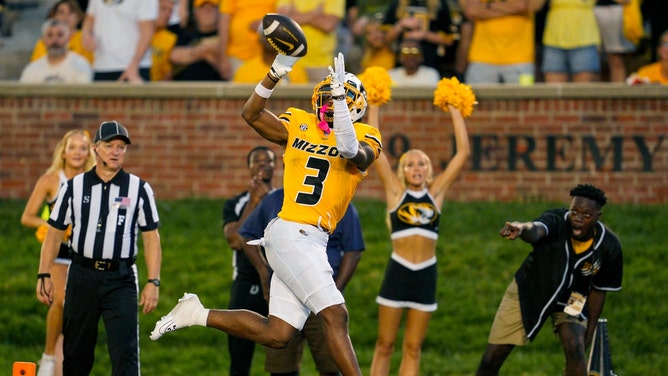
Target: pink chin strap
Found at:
x=323, y=124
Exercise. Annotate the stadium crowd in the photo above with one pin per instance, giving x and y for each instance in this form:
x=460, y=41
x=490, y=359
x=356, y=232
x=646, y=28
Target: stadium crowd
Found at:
x=220, y=40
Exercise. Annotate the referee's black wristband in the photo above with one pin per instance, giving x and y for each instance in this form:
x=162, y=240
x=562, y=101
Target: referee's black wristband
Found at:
x=43, y=275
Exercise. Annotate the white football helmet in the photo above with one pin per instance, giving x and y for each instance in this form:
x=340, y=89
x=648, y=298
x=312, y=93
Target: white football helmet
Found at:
x=355, y=98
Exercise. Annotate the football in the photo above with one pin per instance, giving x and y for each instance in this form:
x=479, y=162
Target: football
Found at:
x=284, y=34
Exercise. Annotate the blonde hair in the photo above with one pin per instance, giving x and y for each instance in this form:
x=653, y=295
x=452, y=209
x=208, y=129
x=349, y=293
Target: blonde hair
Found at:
x=402, y=165
x=58, y=162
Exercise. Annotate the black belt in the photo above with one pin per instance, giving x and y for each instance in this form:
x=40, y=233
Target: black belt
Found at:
x=100, y=264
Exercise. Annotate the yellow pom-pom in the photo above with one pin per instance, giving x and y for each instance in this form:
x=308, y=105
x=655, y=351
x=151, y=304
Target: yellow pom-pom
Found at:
x=377, y=83
x=450, y=91
x=40, y=234
x=67, y=234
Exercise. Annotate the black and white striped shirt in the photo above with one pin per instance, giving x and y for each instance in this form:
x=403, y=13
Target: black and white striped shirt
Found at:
x=105, y=217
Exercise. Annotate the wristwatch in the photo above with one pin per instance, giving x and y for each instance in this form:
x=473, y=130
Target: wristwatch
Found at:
x=154, y=281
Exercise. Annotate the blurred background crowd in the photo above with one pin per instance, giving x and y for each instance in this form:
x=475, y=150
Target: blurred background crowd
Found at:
x=418, y=41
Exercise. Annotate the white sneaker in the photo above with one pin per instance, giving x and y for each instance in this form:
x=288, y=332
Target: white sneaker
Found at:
x=47, y=365
x=186, y=313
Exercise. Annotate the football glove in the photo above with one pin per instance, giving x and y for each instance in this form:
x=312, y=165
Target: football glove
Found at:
x=338, y=74
x=282, y=65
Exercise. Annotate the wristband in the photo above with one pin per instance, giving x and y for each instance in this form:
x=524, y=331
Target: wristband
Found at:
x=273, y=78
x=273, y=75
x=344, y=130
x=263, y=91
x=43, y=275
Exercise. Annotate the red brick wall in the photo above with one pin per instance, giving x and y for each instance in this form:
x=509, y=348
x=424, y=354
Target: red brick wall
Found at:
x=190, y=141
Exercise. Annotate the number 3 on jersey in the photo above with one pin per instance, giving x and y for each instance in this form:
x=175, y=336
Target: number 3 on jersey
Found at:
x=321, y=166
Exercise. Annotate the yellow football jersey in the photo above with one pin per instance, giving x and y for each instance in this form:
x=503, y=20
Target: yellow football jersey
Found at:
x=319, y=183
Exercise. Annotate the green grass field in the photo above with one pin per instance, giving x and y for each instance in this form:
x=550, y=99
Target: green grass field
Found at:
x=475, y=266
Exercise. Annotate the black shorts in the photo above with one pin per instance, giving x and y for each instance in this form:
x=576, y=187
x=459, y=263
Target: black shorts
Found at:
x=404, y=287
x=64, y=253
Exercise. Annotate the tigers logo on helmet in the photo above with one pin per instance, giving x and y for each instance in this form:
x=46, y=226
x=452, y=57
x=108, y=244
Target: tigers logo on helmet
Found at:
x=355, y=97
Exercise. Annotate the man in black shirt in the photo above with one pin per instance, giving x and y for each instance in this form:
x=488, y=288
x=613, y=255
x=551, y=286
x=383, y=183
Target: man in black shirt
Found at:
x=197, y=51
x=575, y=260
x=246, y=289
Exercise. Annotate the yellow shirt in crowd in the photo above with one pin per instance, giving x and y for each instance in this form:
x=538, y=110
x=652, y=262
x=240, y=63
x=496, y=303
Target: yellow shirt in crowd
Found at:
x=653, y=73
x=243, y=42
x=571, y=24
x=503, y=40
x=321, y=45
x=161, y=47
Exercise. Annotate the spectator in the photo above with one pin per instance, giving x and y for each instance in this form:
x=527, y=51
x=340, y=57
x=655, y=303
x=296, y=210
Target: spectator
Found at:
x=106, y=207
x=654, y=11
x=60, y=65
x=377, y=52
x=3, y=7
x=162, y=43
x=180, y=17
x=319, y=20
x=238, y=26
x=119, y=33
x=655, y=72
x=456, y=58
x=71, y=157
x=616, y=46
x=7, y=18
x=426, y=21
x=411, y=71
x=570, y=42
x=344, y=250
x=197, y=51
x=539, y=29
x=345, y=35
x=253, y=71
x=83, y=4
x=502, y=46
x=67, y=11
x=246, y=289
x=574, y=262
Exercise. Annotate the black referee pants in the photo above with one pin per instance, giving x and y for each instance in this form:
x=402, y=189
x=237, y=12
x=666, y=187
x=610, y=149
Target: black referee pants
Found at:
x=92, y=294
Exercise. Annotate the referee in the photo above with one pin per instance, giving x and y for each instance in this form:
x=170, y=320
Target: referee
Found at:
x=106, y=207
